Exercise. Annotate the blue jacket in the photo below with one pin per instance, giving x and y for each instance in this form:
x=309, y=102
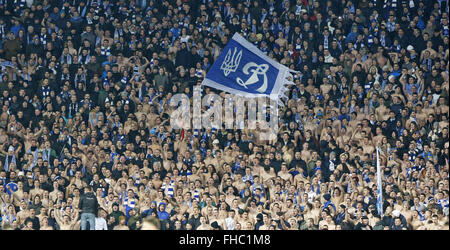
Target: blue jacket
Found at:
x=351, y=37
x=163, y=215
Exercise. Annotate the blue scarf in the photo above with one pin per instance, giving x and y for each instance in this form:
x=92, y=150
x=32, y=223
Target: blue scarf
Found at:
x=46, y=155
x=43, y=39
x=2, y=32
x=45, y=91
x=35, y=155
x=105, y=51
x=19, y=3
x=6, y=165
x=169, y=187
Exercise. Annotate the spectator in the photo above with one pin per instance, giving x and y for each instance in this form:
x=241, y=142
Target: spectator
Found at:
x=100, y=220
x=88, y=205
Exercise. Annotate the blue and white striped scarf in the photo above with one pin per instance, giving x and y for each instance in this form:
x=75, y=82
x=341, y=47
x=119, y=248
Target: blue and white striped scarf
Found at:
x=45, y=91
x=393, y=3
x=196, y=195
x=124, y=80
x=105, y=51
x=168, y=188
x=19, y=3
x=129, y=205
x=43, y=39
x=2, y=32
x=248, y=178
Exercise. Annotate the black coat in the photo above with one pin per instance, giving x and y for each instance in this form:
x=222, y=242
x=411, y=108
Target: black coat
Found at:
x=88, y=203
x=36, y=223
x=182, y=58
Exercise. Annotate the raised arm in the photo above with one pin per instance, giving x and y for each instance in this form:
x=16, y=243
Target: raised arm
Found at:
x=58, y=216
x=421, y=83
x=75, y=218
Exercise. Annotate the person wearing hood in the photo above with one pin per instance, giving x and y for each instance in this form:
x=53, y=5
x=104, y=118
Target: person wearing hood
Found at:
x=162, y=214
x=351, y=37
x=88, y=205
x=114, y=216
x=259, y=221
x=133, y=219
x=148, y=212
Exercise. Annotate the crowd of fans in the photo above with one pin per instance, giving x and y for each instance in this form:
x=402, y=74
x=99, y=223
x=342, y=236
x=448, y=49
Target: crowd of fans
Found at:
x=85, y=136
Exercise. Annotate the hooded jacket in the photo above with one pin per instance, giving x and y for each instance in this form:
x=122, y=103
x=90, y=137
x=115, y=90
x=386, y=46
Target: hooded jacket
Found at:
x=88, y=203
x=149, y=211
x=132, y=221
x=259, y=219
x=163, y=215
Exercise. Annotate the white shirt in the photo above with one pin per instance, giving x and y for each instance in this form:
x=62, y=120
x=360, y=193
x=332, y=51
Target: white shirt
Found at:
x=100, y=224
x=328, y=59
x=230, y=223
x=311, y=196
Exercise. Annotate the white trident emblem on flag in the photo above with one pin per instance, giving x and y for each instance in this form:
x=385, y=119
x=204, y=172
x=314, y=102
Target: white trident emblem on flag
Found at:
x=231, y=62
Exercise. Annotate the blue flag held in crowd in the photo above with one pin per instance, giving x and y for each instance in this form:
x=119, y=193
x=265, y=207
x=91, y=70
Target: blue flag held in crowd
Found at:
x=379, y=187
x=242, y=69
x=12, y=186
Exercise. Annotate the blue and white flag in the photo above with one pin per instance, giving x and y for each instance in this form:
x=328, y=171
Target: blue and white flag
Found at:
x=243, y=69
x=379, y=186
x=12, y=186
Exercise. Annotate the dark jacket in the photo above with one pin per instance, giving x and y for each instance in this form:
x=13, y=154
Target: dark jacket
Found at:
x=35, y=221
x=88, y=203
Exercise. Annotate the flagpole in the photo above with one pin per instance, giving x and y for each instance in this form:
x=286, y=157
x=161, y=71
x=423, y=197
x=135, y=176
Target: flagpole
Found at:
x=379, y=186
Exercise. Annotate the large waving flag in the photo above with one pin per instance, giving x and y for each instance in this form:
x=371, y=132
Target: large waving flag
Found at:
x=244, y=70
